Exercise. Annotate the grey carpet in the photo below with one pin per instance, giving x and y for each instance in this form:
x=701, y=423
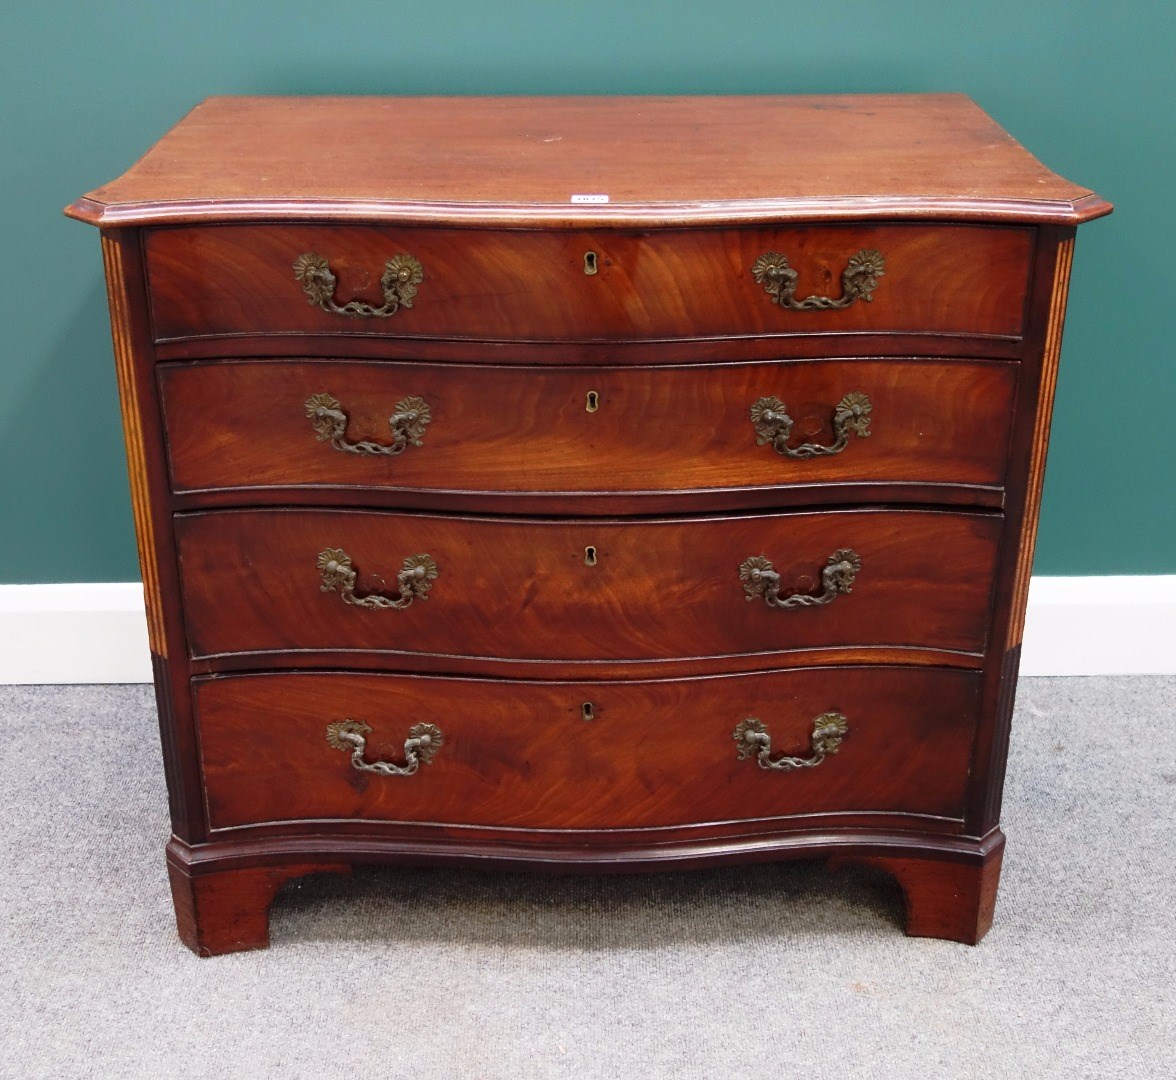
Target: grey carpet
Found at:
x=754, y=972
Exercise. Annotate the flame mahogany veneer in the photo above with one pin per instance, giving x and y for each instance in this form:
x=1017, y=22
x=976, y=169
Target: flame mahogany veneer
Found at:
x=669, y=284
x=597, y=586
x=657, y=430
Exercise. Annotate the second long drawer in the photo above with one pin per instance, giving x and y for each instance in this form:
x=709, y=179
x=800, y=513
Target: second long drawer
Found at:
x=398, y=585
x=258, y=425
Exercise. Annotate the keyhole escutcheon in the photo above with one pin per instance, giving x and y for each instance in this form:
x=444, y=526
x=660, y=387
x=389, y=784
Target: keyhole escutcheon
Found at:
x=588, y=711
x=590, y=263
x=590, y=556
x=593, y=401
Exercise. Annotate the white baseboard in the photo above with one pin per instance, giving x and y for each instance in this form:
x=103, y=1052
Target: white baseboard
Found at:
x=76, y=633
x=1100, y=626
x=97, y=633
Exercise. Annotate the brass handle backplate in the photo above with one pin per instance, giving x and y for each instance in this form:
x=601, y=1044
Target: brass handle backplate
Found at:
x=409, y=417
x=859, y=279
x=413, y=580
x=760, y=579
x=402, y=274
x=422, y=744
x=752, y=738
x=773, y=425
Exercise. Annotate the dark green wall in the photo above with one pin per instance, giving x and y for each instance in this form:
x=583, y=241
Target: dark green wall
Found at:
x=1088, y=87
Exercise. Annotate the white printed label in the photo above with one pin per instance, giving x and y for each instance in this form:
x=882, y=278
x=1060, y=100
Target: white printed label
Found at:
x=589, y=198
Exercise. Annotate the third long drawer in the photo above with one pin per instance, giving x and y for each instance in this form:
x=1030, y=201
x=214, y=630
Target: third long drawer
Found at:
x=385, y=587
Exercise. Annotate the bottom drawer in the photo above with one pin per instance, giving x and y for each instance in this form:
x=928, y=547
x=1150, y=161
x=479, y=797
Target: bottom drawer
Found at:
x=585, y=755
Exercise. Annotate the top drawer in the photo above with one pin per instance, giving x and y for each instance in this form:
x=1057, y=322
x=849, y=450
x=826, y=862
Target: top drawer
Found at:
x=581, y=285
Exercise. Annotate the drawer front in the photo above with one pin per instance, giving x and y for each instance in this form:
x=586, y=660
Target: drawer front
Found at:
x=258, y=581
x=253, y=424
x=518, y=754
x=532, y=286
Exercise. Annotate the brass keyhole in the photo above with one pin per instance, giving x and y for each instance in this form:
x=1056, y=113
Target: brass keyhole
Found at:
x=593, y=402
x=588, y=711
x=590, y=556
x=590, y=266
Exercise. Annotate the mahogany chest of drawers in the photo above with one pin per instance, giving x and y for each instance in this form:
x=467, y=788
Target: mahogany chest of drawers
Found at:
x=588, y=484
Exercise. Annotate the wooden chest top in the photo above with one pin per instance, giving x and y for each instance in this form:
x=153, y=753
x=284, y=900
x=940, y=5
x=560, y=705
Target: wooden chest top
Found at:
x=639, y=161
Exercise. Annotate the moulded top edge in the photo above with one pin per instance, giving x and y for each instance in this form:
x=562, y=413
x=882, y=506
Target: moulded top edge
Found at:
x=612, y=215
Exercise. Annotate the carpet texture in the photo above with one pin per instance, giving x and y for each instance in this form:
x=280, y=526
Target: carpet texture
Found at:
x=766, y=971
